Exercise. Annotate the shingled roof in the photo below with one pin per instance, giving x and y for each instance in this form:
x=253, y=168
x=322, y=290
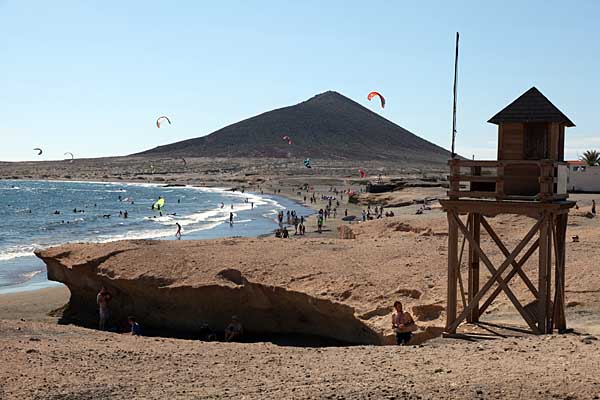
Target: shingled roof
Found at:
x=531, y=106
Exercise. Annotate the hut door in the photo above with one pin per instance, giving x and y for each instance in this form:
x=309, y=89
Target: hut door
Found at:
x=536, y=141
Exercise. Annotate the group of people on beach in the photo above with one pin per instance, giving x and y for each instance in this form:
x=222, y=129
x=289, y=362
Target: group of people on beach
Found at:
x=403, y=323
x=103, y=300
x=291, y=218
x=233, y=332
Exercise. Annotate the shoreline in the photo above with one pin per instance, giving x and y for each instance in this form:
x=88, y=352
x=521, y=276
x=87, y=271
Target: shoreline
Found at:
x=279, y=200
x=49, y=298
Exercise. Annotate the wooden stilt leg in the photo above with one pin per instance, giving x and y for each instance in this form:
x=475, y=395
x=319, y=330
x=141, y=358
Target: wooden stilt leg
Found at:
x=559, y=319
x=475, y=220
x=452, y=271
x=543, y=300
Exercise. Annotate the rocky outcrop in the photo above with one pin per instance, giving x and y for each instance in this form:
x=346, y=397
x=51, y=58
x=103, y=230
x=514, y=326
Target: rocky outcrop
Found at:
x=168, y=294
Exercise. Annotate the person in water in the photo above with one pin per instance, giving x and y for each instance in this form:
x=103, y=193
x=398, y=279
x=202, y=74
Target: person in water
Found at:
x=178, y=233
x=230, y=218
x=234, y=330
x=103, y=299
x=403, y=324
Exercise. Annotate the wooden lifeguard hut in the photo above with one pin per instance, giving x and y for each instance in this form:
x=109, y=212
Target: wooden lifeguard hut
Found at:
x=529, y=179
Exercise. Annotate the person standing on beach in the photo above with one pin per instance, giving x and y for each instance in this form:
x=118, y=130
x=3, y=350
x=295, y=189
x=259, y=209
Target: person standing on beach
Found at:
x=319, y=222
x=403, y=324
x=231, y=218
x=102, y=299
x=593, y=206
x=178, y=233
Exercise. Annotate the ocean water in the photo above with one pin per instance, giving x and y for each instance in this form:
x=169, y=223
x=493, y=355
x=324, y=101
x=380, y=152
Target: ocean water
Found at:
x=39, y=214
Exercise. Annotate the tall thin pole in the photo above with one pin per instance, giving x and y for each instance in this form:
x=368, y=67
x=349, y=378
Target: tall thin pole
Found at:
x=454, y=103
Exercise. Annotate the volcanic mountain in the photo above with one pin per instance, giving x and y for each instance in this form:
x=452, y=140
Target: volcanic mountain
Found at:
x=327, y=126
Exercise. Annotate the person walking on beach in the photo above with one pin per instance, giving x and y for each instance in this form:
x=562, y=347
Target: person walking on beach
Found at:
x=178, y=233
x=593, y=206
x=102, y=299
x=320, y=223
x=403, y=324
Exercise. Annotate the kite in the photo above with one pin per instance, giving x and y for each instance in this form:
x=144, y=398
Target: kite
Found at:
x=307, y=163
x=160, y=203
x=289, y=139
x=373, y=94
x=362, y=173
x=158, y=121
x=71, y=154
x=39, y=151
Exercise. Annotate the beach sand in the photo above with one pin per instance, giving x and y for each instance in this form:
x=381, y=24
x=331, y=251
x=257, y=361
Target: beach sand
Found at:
x=34, y=305
x=47, y=361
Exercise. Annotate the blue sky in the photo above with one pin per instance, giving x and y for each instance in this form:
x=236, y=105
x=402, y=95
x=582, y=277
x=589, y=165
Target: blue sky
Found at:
x=90, y=77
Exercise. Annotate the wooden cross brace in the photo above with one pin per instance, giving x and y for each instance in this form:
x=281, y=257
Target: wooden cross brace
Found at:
x=497, y=273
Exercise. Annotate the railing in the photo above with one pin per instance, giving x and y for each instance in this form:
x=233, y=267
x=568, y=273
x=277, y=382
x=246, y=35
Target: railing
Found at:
x=528, y=180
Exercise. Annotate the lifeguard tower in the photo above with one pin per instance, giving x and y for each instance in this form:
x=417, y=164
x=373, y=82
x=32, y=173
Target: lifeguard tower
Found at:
x=530, y=179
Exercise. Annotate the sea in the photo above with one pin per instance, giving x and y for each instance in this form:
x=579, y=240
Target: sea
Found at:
x=39, y=214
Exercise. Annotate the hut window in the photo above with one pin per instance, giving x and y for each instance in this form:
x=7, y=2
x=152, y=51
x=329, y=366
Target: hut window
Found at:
x=536, y=141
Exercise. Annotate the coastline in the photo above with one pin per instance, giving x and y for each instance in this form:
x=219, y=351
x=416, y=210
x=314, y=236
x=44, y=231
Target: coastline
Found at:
x=43, y=297
x=258, y=225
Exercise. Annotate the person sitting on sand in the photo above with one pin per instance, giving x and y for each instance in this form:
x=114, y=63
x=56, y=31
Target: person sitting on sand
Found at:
x=135, y=327
x=403, y=324
x=102, y=299
x=234, y=330
x=285, y=234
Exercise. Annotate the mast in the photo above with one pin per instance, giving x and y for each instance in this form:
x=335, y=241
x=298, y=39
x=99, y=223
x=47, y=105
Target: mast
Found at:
x=454, y=101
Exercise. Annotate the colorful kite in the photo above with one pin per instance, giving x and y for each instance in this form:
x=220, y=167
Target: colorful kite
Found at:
x=373, y=94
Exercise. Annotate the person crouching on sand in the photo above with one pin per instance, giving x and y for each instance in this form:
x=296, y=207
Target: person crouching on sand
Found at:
x=403, y=324
x=135, y=327
x=102, y=299
x=234, y=330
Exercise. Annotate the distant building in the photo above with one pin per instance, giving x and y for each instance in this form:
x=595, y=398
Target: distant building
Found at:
x=582, y=177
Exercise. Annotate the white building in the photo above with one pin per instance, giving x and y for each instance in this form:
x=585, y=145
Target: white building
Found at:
x=583, y=178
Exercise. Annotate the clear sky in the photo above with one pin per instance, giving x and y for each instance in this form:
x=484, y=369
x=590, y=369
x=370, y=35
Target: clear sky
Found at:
x=91, y=77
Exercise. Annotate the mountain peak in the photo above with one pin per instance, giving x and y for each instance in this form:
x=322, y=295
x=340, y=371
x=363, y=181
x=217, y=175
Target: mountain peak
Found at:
x=329, y=95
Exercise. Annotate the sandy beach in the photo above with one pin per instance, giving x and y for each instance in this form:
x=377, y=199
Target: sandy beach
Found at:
x=402, y=252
